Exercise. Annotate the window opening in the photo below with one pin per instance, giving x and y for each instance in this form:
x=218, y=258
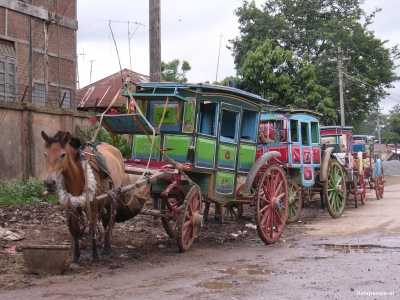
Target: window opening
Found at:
x=294, y=131
x=305, y=136
x=65, y=98
x=249, y=127
x=208, y=118
x=229, y=125
x=314, y=133
x=39, y=94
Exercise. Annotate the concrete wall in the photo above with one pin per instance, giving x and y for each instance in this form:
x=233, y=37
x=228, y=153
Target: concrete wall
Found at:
x=21, y=144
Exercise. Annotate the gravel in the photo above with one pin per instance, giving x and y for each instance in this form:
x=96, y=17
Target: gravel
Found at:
x=391, y=167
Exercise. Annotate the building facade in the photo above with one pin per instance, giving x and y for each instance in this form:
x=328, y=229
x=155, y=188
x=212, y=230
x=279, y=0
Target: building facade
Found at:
x=38, y=59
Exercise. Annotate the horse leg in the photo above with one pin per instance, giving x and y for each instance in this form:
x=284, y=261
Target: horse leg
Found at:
x=93, y=224
x=76, y=232
x=108, y=223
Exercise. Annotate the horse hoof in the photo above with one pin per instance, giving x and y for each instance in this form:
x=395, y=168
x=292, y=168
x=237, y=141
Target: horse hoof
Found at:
x=95, y=260
x=106, y=252
x=75, y=265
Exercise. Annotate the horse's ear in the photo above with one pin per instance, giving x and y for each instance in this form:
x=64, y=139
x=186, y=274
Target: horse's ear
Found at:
x=67, y=137
x=45, y=136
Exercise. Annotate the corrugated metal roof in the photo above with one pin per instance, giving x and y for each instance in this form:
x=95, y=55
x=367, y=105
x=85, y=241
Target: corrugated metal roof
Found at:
x=100, y=94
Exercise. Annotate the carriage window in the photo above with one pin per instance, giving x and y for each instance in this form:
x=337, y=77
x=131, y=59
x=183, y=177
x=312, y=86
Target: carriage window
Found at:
x=208, y=118
x=229, y=125
x=305, y=135
x=294, y=131
x=314, y=132
x=249, y=127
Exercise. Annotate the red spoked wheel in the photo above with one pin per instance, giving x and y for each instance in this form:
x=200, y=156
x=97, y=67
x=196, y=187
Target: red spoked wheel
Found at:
x=175, y=197
x=272, y=204
x=189, y=219
x=380, y=185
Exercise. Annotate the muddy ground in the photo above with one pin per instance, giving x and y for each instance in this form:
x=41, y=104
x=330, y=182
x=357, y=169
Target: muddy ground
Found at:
x=141, y=246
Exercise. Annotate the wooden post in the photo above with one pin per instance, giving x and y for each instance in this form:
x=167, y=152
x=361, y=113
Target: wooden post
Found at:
x=155, y=40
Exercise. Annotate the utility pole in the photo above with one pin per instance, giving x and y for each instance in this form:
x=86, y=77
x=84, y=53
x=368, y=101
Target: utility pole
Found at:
x=91, y=62
x=219, y=52
x=155, y=40
x=340, y=59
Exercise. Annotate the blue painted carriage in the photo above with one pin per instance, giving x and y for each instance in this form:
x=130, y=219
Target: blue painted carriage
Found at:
x=198, y=143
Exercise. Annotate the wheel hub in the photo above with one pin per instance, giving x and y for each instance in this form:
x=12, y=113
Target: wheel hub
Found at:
x=197, y=220
x=277, y=204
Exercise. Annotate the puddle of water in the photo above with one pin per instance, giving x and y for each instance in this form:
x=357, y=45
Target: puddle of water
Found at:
x=215, y=285
x=357, y=248
x=233, y=271
x=308, y=258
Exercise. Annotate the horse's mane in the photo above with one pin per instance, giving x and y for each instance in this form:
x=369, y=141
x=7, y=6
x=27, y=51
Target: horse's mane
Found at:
x=59, y=138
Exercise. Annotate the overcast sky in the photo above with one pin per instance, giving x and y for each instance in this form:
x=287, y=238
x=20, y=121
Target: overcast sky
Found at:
x=190, y=30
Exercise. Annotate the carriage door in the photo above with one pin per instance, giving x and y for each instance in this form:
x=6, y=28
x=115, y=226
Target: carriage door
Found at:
x=227, y=152
x=306, y=156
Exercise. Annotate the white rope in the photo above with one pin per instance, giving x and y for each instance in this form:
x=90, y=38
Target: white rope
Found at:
x=66, y=198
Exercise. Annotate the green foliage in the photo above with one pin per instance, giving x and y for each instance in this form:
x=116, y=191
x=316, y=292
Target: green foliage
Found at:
x=24, y=192
x=173, y=71
x=284, y=79
x=103, y=136
x=391, y=132
x=311, y=30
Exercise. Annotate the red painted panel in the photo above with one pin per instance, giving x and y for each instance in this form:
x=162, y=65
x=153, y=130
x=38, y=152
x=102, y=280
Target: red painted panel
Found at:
x=308, y=173
x=306, y=155
x=316, y=154
x=296, y=154
x=283, y=150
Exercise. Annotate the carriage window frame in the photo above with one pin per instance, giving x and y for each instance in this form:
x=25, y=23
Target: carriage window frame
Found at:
x=208, y=118
x=314, y=133
x=249, y=125
x=294, y=132
x=229, y=125
x=305, y=133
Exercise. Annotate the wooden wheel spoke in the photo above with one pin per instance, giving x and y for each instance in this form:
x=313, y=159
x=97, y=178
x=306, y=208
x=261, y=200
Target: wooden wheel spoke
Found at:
x=272, y=187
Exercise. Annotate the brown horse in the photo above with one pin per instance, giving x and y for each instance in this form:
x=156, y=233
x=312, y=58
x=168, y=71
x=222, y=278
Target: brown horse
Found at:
x=65, y=173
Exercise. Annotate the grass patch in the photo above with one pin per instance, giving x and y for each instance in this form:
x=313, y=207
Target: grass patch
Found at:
x=24, y=192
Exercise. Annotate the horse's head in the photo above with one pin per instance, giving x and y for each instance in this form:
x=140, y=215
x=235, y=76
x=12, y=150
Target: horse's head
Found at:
x=56, y=154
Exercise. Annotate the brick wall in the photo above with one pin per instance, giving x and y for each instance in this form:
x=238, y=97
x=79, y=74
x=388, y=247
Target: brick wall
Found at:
x=54, y=65
x=2, y=21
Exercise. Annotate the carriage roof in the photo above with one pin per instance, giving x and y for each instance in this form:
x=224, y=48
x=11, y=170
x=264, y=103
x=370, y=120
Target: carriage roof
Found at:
x=149, y=91
x=332, y=130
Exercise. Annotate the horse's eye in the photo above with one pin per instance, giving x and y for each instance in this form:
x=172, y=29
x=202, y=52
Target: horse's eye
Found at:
x=62, y=155
x=45, y=155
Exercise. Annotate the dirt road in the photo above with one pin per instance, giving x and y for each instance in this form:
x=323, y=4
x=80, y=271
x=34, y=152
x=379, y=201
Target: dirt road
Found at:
x=354, y=257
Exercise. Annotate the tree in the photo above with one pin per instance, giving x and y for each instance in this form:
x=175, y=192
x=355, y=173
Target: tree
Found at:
x=173, y=71
x=284, y=79
x=391, y=132
x=312, y=30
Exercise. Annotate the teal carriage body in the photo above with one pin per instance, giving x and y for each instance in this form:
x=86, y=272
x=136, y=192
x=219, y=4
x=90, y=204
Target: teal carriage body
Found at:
x=294, y=133
x=203, y=135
